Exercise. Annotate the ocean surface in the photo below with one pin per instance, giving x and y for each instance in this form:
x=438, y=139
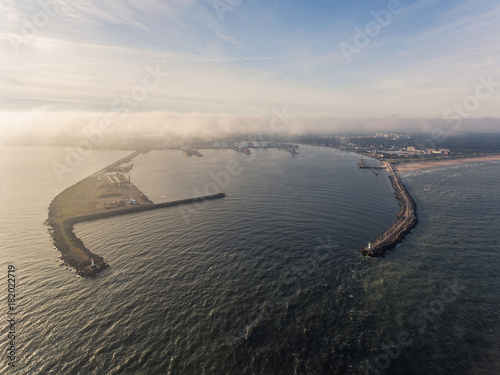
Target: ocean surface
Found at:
x=267, y=280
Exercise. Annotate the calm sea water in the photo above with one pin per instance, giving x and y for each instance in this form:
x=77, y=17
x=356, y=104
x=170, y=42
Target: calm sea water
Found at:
x=265, y=281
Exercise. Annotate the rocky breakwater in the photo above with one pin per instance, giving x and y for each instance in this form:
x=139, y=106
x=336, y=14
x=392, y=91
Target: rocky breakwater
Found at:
x=89, y=199
x=406, y=220
x=73, y=251
x=64, y=211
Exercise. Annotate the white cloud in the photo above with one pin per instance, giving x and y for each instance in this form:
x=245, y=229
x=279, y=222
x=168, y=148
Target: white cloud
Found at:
x=91, y=53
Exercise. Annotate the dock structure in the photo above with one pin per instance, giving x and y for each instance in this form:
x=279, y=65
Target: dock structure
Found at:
x=363, y=165
x=126, y=169
x=191, y=151
x=243, y=150
x=292, y=149
x=117, y=164
x=407, y=220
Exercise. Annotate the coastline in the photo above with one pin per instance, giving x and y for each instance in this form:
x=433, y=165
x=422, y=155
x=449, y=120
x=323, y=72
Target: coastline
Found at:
x=407, y=218
x=94, y=198
x=419, y=165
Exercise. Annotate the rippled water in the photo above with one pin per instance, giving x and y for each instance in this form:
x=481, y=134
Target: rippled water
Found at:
x=265, y=281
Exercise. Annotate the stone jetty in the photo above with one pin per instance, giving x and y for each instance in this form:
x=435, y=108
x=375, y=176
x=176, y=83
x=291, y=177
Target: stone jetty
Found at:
x=407, y=220
x=101, y=195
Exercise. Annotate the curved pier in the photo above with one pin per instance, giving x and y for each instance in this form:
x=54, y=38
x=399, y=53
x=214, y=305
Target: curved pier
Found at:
x=407, y=220
x=84, y=202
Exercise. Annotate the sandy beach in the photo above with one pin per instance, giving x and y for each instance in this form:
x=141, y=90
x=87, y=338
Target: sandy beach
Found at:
x=416, y=166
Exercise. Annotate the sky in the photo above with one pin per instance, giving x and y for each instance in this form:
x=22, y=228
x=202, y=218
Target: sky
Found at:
x=172, y=63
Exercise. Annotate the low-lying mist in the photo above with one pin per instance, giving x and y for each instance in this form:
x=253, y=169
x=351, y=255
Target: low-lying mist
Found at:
x=42, y=127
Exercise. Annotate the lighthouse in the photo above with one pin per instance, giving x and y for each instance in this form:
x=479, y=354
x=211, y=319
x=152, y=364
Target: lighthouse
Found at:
x=369, y=245
x=92, y=261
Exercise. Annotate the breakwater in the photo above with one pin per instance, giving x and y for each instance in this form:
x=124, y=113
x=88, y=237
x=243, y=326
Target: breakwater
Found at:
x=406, y=220
x=117, y=163
x=65, y=240
x=83, y=202
x=102, y=215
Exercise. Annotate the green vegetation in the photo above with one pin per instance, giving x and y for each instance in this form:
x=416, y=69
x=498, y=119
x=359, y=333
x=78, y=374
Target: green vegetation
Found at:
x=109, y=194
x=69, y=202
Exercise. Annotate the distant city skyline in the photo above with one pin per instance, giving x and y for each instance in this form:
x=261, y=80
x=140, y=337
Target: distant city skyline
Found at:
x=234, y=60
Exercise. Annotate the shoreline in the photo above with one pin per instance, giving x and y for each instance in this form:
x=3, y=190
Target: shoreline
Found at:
x=86, y=200
x=407, y=218
x=419, y=165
